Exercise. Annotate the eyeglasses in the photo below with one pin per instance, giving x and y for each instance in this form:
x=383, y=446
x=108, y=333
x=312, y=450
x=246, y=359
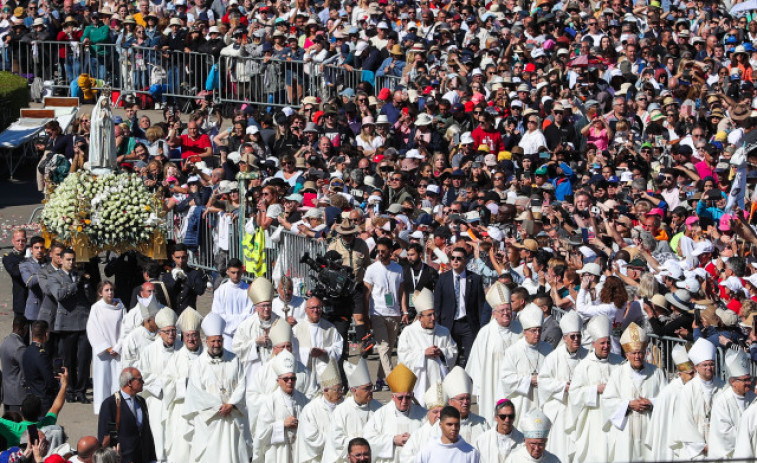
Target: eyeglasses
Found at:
x=453, y=258
x=140, y=379
x=288, y=379
x=403, y=398
x=574, y=336
x=396, y=179
x=506, y=416
x=315, y=307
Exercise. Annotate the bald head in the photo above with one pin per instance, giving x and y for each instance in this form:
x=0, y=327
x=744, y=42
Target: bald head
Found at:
x=86, y=447
x=148, y=289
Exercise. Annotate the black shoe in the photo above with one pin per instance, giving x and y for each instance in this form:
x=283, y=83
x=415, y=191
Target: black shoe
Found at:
x=82, y=399
x=70, y=397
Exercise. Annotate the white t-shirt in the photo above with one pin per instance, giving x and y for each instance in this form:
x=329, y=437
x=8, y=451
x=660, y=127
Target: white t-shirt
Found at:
x=385, y=281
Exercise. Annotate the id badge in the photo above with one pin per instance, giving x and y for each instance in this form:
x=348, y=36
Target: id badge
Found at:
x=389, y=299
x=411, y=301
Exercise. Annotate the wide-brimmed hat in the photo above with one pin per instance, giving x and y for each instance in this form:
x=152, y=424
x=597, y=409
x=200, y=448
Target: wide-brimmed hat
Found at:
x=105, y=11
x=680, y=299
x=740, y=112
x=423, y=119
x=346, y=227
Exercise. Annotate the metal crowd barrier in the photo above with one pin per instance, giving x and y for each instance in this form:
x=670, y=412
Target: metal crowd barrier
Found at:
x=284, y=257
x=178, y=76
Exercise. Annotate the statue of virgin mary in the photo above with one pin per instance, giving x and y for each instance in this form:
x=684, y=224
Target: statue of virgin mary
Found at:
x=102, y=138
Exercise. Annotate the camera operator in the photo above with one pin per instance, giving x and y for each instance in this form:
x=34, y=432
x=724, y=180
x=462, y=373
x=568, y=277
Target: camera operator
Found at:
x=355, y=255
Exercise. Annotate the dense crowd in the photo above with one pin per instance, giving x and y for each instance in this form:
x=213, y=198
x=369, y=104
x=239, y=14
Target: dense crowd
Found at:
x=546, y=188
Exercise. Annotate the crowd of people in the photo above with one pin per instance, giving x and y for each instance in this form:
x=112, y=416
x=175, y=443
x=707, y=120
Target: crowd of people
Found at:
x=548, y=187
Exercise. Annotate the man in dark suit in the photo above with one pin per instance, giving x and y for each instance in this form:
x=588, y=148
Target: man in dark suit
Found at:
x=184, y=284
x=11, y=262
x=416, y=275
x=38, y=366
x=459, y=300
x=30, y=271
x=133, y=426
x=73, y=292
x=151, y=274
x=12, y=358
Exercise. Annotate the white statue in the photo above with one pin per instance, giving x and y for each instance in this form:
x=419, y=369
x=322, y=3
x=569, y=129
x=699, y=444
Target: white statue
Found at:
x=102, y=138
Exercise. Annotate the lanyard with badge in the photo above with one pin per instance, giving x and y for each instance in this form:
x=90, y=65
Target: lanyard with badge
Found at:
x=415, y=284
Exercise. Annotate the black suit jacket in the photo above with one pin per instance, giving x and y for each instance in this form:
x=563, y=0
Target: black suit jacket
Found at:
x=136, y=442
x=445, y=305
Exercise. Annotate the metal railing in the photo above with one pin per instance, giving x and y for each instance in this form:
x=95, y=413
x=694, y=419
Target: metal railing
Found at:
x=178, y=75
x=284, y=256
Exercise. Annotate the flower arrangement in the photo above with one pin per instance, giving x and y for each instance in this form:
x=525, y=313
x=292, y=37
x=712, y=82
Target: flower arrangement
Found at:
x=111, y=210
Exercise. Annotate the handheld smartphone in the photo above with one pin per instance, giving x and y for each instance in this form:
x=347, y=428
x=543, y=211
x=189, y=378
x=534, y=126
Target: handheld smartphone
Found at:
x=112, y=435
x=33, y=434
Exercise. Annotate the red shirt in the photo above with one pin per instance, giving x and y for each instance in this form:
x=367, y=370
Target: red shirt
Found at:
x=491, y=139
x=190, y=147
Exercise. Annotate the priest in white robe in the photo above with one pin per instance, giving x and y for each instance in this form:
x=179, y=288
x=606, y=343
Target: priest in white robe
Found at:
x=426, y=347
x=215, y=401
x=286, y=305
x=554, y=386
x=488, y=352
x=317, y=339
x=663, y=421
x=435, y=399
x=590, y=377
x=264, y=382
x=728, y=406
x=350, y=417
x=535, y=428
x=523, y=360
x=179, y=436
x=629, y=398
x=103, y=332
x=230, y=300
x=746, y=434
x=153, y=362
x=276, y=431
x=315, y=419
x=140, y=337
x=458, y=388
x=502, y=439
x=252, y=343
x=145, y=298
x=390, y=427
x=694, y=407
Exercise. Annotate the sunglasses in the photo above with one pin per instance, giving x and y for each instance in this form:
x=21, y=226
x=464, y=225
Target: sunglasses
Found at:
x=575, y=336
x=506, y=416
x=457, y=258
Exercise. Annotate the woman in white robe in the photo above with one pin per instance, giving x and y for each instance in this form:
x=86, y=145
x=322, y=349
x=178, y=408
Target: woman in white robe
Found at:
x=103, y=332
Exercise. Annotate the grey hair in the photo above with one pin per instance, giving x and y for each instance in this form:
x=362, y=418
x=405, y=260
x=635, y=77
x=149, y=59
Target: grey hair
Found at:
x=286, y=280
x=106, y=455
x=126, y=375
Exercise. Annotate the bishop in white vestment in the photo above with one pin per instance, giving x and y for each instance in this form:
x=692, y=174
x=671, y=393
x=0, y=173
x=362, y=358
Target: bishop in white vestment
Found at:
x=555, y=378
x=350, y=416
x=178, y=433
x=629, y=398
x=145, y=298
x=276, y=431
x=590, y=377
x=139, y=338
x=522, y=362
x=458, y=387
x=390, y=427
x=662, y=423
x=215, y=401
x=435, y=399
x=426, y=347
x=103, y=332
x=252, y=342
x=694, y=405
x=488, y=352
x=317, y=340
x=729, y=405
x=315, y=419
x=497, y=443
x=153, y=363
x=536, y=427
x=231, y=302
